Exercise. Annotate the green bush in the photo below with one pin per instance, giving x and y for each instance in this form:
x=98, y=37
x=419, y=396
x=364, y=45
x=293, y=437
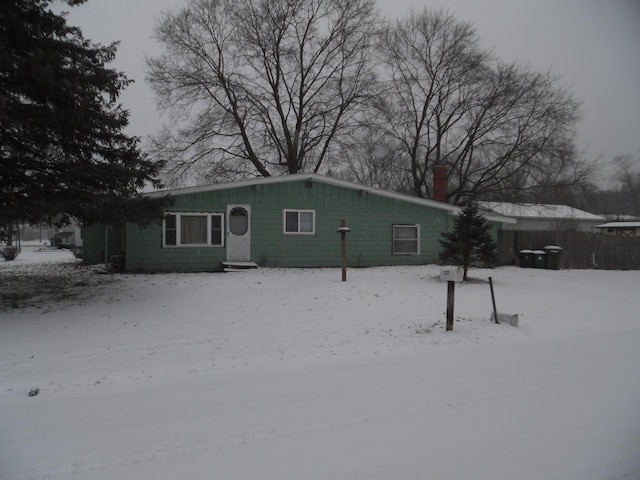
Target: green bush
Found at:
x=470, y=243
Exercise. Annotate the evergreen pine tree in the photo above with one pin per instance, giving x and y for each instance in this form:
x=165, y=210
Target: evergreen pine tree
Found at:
x=63, y=152
x=470, y=243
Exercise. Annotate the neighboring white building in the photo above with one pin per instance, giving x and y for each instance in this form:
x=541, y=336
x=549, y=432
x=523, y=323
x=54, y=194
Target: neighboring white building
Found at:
x=620, y=229
x=532, y=216
x=69, y=236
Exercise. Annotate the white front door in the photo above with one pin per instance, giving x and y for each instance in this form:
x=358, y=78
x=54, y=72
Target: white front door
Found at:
x=238, y=233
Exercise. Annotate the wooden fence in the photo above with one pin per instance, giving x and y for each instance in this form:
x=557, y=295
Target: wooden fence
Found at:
x=579, y=249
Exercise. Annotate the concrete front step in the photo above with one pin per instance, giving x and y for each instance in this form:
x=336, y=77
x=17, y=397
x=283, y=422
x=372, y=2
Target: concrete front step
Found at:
x=238, y=266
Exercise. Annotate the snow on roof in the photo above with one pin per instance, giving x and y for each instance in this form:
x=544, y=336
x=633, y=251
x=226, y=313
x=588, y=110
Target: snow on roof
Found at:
x=452, y=209
x=538, y=210
x=619, y=225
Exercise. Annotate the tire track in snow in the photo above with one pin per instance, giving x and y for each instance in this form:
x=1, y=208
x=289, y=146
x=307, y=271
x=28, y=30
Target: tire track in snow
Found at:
x=328, y=421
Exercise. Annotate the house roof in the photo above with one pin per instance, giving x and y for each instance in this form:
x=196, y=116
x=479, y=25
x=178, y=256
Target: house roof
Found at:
x=452, y=209
x=541, y=211
x=619, y=225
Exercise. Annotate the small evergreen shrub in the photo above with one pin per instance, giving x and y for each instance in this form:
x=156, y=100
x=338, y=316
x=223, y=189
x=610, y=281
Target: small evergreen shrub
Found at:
x=9, y=253
x=470, y=243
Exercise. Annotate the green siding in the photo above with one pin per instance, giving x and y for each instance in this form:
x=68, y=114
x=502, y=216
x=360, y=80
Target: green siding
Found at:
x=369, y=216
x=94, y=239
x=145, y=253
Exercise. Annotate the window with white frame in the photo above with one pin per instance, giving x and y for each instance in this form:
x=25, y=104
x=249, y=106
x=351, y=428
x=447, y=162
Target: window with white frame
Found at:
x=299, y=222
x=406, y=239
x=193, y=230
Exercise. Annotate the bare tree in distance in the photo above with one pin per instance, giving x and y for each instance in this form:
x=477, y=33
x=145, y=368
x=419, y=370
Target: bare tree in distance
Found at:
x=628, y=174
x=259, y=87
x=370, y=156
x=501, y=129
x=371, y=161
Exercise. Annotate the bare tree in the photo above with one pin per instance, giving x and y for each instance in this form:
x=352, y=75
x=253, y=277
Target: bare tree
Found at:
x=371, y=160
x=370, y=156
x=260, y=87
x=499, y=128
x=628, y=174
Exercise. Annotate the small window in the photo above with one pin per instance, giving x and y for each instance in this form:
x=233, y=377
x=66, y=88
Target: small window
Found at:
x=406, y=239
x=216, y=230
x=299, y=222
x=193, y=230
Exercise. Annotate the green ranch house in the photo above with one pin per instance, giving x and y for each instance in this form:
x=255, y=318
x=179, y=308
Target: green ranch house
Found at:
x=287, y=221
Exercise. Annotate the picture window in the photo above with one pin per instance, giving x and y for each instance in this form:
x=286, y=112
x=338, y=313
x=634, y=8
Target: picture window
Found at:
x=193, y=230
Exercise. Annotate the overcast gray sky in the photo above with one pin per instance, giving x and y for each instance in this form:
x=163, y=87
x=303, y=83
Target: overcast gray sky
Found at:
x=593, y=44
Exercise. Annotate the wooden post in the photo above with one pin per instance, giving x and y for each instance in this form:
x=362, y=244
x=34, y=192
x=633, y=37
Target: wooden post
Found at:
x=343, y=230
x=343, y=233
x=493, y=301
x=451, y=291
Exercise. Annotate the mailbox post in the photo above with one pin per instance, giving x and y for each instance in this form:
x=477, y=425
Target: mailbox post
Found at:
x=343, y=230
x=451, y=275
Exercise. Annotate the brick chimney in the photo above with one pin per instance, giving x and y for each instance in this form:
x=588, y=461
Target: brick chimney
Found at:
x=440, y=183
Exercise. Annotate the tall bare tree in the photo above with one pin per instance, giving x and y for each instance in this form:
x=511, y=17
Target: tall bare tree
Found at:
x=499, y=128
x=628, y=174
x=260, y=87
x=371, y=156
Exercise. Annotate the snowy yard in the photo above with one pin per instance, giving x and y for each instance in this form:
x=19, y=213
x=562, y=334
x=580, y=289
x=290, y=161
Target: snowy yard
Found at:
x=293, y=374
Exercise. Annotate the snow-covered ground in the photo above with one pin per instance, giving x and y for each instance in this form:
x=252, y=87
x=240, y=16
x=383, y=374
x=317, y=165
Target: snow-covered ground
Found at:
x=293, y=374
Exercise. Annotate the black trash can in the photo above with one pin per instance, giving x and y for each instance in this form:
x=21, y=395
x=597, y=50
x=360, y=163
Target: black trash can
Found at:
x=553, y=256
x=538, y=258
x=526, y=258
